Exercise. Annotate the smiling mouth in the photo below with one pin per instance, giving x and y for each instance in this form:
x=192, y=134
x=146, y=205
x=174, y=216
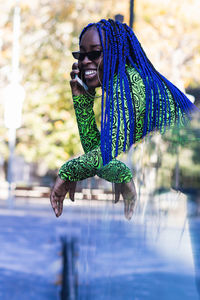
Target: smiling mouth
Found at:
x=90, y=74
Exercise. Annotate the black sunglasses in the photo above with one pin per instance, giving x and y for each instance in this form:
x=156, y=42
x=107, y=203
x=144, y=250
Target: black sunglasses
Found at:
x=92, y=55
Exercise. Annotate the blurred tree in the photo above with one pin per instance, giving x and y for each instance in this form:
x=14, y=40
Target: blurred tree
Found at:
x=170, y=34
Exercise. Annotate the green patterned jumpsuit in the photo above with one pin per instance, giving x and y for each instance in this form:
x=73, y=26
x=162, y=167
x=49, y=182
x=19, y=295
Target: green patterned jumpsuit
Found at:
x=91, y=163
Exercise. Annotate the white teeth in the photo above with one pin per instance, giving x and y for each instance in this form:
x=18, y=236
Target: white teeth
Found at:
x=90, y=72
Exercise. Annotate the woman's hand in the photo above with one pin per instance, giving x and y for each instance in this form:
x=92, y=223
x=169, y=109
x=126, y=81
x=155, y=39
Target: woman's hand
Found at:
x=76, y=88
x=129, y=195
x=59, y=192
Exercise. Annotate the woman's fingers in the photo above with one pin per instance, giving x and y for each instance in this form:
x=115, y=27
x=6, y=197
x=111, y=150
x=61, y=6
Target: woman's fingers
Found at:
x=72, y=188
x=59, y=207
x=57, y=202
x=59, y=192
x=75, y=66
x=75, y=70
x=76, y=88
x=53, y=202
x=129, y=208
x=129, y=196
x=57, y=196
x=117, y=191
x=128, y=192
x=74, y=73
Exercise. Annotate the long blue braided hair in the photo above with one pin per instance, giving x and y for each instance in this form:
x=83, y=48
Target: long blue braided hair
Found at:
x=120, y=48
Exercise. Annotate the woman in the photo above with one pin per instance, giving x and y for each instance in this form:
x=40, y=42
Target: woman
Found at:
x=136, y=100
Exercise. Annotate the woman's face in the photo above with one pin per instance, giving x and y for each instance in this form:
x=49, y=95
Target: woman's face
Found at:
x=91, y=69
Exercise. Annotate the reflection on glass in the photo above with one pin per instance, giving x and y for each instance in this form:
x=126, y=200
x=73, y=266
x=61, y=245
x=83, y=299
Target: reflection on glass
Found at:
x=156, y=254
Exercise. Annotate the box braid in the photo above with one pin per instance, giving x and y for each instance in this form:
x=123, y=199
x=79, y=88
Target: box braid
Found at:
x=120, y=48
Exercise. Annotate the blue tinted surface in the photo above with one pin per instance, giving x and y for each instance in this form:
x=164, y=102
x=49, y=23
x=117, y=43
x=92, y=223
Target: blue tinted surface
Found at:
x=150, y=257
x=130, y=260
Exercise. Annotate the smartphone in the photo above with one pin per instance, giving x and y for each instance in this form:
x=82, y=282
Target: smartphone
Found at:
x=81, y=82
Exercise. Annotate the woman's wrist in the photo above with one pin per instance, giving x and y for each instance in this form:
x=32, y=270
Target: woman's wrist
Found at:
x=83, y=101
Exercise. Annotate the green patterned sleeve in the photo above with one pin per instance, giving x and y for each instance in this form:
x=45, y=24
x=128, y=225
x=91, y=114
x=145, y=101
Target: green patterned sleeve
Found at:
x=90, y=163
x=115, y=171
x=88, y=131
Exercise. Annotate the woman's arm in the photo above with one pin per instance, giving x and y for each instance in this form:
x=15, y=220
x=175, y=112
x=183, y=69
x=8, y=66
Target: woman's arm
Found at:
x=115, y=171
x=91, y=163
x=88, y=131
